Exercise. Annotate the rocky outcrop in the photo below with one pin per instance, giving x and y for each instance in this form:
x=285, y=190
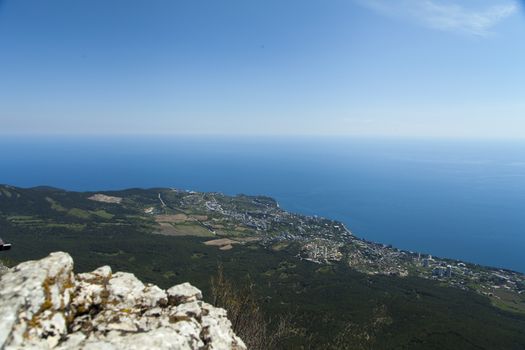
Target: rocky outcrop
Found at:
x=43, y=305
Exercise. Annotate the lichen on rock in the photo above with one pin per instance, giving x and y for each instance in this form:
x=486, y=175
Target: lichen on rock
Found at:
x=43, y=305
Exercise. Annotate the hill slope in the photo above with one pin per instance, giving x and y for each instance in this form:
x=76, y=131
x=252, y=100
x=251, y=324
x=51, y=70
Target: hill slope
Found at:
x=334, y=285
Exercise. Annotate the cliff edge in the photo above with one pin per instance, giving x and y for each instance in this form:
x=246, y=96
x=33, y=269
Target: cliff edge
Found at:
x=44, y=305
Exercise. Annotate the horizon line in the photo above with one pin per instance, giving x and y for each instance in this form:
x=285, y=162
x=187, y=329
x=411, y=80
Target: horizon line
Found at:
x=265, y=135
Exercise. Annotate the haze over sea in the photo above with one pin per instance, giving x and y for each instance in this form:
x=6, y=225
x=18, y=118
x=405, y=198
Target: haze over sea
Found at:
x=457, y=199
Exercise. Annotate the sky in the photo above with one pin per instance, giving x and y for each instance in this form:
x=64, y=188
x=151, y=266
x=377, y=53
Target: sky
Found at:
x=404, y=68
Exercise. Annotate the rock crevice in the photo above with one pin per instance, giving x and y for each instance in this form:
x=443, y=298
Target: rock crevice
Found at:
x=44, y=305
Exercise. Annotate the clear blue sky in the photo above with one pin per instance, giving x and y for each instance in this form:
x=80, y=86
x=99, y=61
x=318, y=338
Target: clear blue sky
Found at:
x=407, y=68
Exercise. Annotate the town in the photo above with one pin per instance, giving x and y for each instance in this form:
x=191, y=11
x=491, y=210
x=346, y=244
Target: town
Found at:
x=325, y=241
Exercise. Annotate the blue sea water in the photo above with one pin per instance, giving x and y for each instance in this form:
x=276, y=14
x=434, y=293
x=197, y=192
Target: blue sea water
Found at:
x=457, y=199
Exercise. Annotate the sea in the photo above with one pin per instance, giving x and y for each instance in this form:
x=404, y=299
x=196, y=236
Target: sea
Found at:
x=462, y=199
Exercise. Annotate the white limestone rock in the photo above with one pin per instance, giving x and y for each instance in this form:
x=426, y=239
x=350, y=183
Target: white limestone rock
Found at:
x=27, y=292
x=125, y=289
x=183, y=293
x=153, y=296
x=44, y=306
x=98, y=276
x=217, y=331
x=192, y=309
x=160, y=338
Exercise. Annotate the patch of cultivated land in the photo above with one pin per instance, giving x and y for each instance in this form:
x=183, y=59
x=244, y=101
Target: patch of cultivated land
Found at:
x=99, y=197
x=184, y=229
x=227, y=243
x=176, y=218
x=222, y=243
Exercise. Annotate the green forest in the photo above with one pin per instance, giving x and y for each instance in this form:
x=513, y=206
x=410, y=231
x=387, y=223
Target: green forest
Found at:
x=327, y=305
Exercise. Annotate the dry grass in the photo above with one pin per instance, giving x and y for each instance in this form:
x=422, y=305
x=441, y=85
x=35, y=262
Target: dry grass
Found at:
x=247, y=318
